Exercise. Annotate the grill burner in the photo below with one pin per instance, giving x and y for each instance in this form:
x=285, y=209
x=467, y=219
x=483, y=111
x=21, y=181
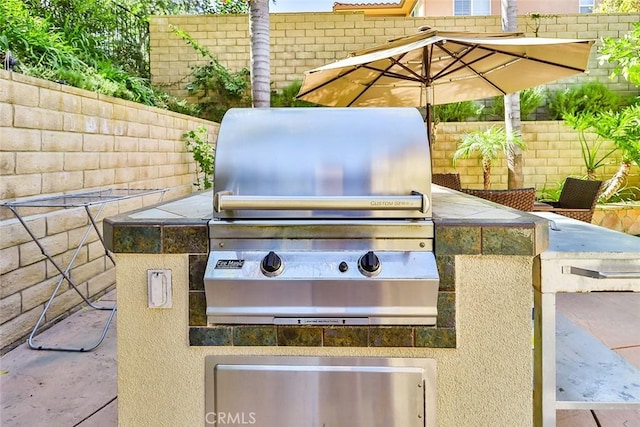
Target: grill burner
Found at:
x=322, y=216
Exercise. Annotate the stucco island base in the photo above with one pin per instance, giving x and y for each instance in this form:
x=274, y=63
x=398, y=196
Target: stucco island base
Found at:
x=486, y=380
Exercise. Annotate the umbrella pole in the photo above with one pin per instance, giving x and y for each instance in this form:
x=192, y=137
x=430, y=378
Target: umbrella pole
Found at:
x=430, y=130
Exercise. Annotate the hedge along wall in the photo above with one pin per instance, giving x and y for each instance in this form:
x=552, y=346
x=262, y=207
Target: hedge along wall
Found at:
x=56, y=139
x=303, y=41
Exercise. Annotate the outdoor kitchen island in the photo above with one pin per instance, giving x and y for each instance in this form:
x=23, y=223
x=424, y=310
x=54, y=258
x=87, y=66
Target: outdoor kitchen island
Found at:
x=481, y=342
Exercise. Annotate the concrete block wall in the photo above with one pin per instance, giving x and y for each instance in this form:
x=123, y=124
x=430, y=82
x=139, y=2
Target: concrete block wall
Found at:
x=303, y=41
x=553, y=152
x=57, y=139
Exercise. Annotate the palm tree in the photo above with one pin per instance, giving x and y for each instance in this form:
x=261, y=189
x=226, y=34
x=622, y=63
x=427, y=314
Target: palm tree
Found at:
x=512, y=107
x=260, y=52
x=621, y=127
x=489, y=144
x=592, y=155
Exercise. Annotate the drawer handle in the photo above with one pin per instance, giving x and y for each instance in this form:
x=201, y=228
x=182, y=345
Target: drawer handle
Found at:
x=600, y=274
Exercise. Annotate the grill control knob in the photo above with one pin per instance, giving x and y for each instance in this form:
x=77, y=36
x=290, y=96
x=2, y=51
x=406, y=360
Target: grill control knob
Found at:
x=271, y=264
x=369, y=264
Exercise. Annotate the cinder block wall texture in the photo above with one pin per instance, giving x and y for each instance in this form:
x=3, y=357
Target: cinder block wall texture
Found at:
x=553, y=152
x=303, y=41
x=56, y=139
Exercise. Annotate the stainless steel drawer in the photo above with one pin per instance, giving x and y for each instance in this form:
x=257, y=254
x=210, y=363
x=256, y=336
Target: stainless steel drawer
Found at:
x=273, y=391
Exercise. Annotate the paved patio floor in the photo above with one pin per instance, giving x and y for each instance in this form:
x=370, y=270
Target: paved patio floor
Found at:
x=613, y=318
x=51, y=388
x=60, y=388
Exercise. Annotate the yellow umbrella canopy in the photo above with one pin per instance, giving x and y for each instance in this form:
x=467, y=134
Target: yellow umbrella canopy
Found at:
x=437, y=67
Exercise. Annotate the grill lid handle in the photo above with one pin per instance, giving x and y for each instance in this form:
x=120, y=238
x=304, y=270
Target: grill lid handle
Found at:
x=225, y=200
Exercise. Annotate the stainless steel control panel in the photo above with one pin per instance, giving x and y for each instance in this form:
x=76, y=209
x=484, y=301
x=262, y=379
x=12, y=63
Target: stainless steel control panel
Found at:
x=321, y=287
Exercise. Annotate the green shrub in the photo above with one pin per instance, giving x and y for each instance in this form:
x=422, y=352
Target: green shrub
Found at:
x=624, y=194
x=34, y=41
x=216, y=87
x=551, y=194
x=169, y=102
x=197, y=142
x=530, y=100
x=68, y=55
x=287, y=97
x=456, y=111
x=592, y=155
x=589, y=98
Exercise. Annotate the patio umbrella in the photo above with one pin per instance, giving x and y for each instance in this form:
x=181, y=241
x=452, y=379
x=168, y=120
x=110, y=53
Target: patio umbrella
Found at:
x=435, y=67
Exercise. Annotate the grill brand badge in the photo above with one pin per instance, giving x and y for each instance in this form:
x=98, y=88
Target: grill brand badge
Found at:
x=230, y=264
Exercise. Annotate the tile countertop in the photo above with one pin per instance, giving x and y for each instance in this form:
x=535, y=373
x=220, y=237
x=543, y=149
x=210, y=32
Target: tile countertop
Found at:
x=453, y=205
x=452, y=212
x=572, y=237
x=447, y=205
x=198, y=206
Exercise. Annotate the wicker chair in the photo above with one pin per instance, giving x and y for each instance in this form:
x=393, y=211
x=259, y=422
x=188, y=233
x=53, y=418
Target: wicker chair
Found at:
x=449, y=180
x=577, y=200
x=519, y=198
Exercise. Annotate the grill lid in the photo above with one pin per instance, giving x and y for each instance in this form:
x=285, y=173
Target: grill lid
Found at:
x=322, y=163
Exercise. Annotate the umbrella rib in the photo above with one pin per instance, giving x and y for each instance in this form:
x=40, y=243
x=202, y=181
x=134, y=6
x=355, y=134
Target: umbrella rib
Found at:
x=469, y=66
x=333, y=79
x=542, y=61
x=382, y=73
x=528, y=58
x=387, y=73
x=367, y=86
x=458, y=59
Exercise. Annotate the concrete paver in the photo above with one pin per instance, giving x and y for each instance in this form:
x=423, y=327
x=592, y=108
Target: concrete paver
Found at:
x=105, y=417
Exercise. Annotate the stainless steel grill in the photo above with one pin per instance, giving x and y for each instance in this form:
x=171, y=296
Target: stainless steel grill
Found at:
x=322, y=216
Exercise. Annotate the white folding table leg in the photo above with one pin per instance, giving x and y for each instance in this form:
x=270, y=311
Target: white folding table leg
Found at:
x=75, y=200
x=65, y=276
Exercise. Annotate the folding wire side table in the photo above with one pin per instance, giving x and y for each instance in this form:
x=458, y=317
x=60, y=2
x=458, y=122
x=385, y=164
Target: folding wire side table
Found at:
x=86, y=200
